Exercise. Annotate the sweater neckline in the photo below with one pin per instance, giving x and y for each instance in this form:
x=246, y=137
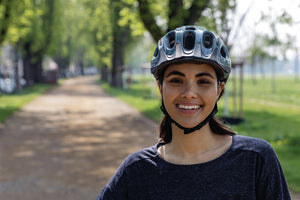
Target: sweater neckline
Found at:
x=221, y=157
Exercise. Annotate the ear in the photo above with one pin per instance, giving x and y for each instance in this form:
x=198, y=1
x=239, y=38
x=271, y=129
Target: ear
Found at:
x=221, y=88
x=159, y=87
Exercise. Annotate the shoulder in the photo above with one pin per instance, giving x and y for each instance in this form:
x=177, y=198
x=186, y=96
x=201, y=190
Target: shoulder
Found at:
x=258, y=151
x=131, y=164
x=141, y=155
x=255, y=145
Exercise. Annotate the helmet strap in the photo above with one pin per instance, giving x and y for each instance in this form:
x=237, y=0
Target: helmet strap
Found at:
x=197, y=127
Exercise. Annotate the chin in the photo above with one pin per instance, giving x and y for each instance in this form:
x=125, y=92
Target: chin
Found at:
x=187, y=124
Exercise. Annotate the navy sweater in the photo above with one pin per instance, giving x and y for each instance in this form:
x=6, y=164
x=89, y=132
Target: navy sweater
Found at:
x=248, y=170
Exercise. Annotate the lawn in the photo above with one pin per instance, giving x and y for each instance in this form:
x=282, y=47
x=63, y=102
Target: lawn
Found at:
x=273, y=116
x=9, y=103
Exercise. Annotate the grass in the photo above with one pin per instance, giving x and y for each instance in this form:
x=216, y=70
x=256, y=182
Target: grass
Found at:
x=9, y=103
x=140, y=96
x=273, y=116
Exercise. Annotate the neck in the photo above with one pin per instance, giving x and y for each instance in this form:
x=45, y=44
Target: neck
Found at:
x=192, y=143
x=200, y=146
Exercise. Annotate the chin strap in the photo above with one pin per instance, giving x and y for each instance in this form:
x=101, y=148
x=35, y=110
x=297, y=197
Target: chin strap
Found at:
x=190, y=130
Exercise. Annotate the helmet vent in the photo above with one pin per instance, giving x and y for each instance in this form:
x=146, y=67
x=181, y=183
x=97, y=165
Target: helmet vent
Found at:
x=223, y=52
x=190, y=28
x=190, y=44
x=171, y=40
x=189, y=40
x=155, y=52
x=207, y=40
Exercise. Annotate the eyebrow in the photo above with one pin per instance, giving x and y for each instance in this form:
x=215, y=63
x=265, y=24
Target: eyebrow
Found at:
x=175, y=73
x=197, y=75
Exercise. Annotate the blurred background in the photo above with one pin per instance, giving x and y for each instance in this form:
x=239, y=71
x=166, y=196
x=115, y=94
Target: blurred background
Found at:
x=43, y=41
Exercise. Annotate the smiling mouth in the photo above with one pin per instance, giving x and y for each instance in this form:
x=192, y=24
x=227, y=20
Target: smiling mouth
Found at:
x=188, y=107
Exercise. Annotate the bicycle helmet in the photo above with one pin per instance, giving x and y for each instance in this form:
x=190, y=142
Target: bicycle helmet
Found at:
x=191, y=43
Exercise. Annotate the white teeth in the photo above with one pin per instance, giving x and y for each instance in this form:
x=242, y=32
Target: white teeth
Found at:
x=188, y=107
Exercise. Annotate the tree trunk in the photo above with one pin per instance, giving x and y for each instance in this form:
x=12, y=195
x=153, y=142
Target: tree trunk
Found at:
x=253, y=77
x=117, y=63
x=273, y=76
x=120, y=37
x=297, y=66
x=17, y=73
x=62, y=64
x=27, y=70
x=178, y=15
x=33, y=71
x=104, y=75
x=80, y=62
x=37, y=70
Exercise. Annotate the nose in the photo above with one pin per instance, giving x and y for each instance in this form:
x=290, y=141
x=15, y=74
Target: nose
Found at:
x=189, y=91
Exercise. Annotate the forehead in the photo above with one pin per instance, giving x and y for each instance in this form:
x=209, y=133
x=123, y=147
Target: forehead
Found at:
x=191, y=68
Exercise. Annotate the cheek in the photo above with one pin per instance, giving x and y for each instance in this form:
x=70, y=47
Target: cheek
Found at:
x=210, y=94
x=166, y=93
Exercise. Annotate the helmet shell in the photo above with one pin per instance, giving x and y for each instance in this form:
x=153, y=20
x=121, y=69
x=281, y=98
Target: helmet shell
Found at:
x=191, y=44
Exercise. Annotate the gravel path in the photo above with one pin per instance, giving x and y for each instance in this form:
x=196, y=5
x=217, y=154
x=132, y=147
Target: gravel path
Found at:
x=66, y=144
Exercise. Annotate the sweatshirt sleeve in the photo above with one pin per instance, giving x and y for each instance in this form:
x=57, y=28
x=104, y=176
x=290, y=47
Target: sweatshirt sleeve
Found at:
x=116, y=188
x=270, y=177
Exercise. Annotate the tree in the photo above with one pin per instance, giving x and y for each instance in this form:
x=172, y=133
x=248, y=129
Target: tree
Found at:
x=71, y=27
x=32, y=30
x=256, y=54
x=175, y=13
x=110, y=35
x=100, y=28
x=214, y=15
x=5, y=17
x=120, y=37
x=271, y=46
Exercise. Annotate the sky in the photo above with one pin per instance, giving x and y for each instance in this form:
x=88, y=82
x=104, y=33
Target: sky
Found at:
x=253, y=24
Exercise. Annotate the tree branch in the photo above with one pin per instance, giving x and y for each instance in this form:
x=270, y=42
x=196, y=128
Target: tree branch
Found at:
x=195, y=11
x=176, y=14
x=149, y=20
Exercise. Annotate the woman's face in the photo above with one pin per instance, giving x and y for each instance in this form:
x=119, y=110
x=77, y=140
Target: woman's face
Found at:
x=190, y=92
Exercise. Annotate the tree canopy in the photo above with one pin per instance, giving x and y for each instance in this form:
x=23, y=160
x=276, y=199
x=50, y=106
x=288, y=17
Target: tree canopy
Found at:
x=83, y=33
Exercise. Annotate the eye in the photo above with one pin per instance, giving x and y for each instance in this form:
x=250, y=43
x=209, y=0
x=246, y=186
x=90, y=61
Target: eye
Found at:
x=175, y=81
x=203, y=82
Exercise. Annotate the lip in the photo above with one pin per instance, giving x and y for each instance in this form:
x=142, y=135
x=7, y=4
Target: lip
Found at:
x=188, y=108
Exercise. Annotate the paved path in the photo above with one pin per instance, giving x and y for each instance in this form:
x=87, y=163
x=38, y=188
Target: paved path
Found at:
x=66, y=144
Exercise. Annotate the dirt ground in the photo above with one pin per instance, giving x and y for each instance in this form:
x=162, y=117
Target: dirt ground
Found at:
x=66, y=144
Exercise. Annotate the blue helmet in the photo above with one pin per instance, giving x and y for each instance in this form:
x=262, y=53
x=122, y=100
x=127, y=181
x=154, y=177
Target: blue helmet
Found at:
x=191, y=44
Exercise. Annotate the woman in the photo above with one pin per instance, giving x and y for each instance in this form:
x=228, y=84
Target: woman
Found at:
x=197, y=156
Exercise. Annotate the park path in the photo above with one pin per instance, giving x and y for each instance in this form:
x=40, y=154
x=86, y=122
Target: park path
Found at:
x=67, y=143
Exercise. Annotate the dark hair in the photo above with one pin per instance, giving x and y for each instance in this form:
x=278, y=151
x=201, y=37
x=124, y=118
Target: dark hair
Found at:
x=215, y=123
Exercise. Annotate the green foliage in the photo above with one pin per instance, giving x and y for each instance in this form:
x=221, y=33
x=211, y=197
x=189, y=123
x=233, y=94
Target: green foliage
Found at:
x=275, y=118
x=159, y=17
x=271, y=116
x=272, y=44
x=5, y=13
x=100, y=30
x=129, y=17
x=34, y=22
x=84, y=32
